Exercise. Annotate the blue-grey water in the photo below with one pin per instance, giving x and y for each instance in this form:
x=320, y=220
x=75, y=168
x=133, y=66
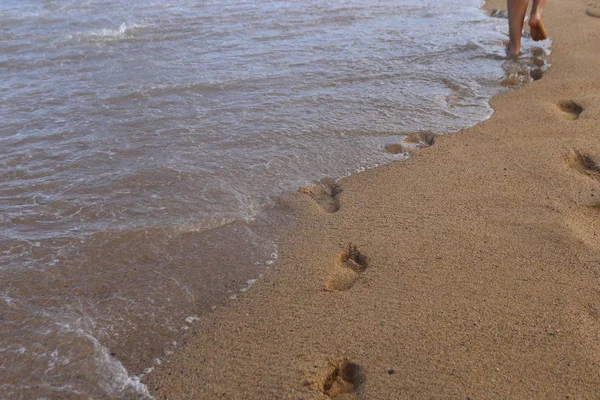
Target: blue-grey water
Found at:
x=144, y=145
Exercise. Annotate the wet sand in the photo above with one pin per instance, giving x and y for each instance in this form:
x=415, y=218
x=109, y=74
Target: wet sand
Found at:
x=474, y=269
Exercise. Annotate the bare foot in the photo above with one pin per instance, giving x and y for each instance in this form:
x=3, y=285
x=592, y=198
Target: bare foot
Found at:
x=536, y=27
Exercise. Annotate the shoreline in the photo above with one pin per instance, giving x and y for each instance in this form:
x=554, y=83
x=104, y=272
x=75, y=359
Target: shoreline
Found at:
x=469, y=287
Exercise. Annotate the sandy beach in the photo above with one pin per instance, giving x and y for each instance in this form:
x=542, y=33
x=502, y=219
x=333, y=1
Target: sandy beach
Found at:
x=473, y=270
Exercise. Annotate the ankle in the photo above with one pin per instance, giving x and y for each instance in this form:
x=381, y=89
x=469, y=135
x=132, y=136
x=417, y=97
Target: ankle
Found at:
x=513, y=50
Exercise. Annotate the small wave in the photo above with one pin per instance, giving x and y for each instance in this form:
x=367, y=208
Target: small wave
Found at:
x=123, y=32
x=205, y=224
x=115, y=378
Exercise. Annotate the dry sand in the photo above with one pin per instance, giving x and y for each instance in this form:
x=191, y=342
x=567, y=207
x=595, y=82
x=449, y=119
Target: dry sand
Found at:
x=476, y=272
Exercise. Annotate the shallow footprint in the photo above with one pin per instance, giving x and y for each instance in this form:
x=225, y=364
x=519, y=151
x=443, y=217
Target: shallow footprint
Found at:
x=593, y=8
x=582, y=163
x=584, y=223
x=341, y=379
x=348, y=267
x=421, y=139
x=395, y=148
x=570, y=109
x=414, y=141
x=324, y=194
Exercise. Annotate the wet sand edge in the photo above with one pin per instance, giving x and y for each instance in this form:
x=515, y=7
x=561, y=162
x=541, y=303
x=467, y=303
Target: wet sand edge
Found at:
x=468, y=270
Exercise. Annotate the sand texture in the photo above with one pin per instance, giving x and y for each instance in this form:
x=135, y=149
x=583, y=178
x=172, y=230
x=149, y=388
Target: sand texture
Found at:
x=471, y=270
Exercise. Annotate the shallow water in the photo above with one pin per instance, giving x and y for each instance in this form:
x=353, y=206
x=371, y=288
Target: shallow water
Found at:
x=144, y=144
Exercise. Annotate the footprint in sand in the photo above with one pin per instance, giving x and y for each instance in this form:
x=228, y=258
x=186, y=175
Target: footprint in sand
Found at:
x=536, y=74
x=593, y=8
x=584, y=223
x=347, y=268
x=531, y=66
x=421, y=139
x=413, y=141
x=570, y=109
x=340, y=380
x=587, y=320
x=594, y=312
x=395, y=148
x=583, y=163
x=324, y=194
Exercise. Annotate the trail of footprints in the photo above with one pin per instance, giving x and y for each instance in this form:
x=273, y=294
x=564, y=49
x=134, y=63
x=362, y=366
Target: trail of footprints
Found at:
x=576, y=159
x=325, y=192
x=585, y=164
x=341, y=379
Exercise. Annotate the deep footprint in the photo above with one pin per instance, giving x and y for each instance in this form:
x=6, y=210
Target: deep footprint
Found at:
x=570, y=109
x=324, y=194
x=582, y=163
x=536, y=74
x=347, y=269
x=353, y=259
x=341, y=380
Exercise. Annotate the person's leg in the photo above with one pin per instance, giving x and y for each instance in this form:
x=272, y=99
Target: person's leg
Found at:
x=516, y=18
x=536, y=26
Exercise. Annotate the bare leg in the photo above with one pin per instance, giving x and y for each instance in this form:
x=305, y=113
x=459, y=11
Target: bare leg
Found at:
x=516, y=18
x=536, y=26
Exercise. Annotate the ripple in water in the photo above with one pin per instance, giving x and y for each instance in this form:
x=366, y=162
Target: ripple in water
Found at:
x=144, y=146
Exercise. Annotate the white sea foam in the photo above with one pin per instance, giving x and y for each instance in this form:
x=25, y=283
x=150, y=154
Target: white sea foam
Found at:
x=249, y=284
x=124, y=31
x=114, y=378
x=8, y=300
